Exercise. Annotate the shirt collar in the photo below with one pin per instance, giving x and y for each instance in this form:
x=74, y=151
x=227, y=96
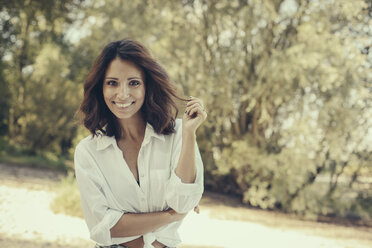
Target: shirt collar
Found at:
x=103, y=141
x=150, y=132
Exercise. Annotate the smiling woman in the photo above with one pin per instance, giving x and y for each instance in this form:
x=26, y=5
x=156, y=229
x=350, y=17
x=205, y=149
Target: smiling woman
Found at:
x=140, y=172
x=124, y=88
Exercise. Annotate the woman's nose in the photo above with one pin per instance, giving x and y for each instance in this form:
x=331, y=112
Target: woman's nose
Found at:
x=123, y=91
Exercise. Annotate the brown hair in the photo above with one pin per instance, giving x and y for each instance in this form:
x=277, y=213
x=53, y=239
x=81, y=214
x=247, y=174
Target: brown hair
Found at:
x=159, y=108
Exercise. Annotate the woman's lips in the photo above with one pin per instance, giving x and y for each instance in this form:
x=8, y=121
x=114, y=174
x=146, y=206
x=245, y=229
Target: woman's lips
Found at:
x=123, y=105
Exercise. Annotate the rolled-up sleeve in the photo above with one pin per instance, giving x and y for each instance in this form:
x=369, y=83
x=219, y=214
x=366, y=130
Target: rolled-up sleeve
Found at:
x=183, y=197
x=98, y=216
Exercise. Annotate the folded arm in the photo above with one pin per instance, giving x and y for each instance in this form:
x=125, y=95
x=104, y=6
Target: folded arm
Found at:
x=137, y=224
x=104, y=221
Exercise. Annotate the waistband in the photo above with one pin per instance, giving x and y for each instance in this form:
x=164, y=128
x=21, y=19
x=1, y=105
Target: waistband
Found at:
x=111, y=246
x=120, y=246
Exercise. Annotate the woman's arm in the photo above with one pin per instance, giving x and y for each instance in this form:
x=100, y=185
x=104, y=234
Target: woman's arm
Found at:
x=138, y=224
x=186, y=169
x=192, y=119
x=185, y=186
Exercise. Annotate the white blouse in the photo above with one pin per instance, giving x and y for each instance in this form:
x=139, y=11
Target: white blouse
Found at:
x=108, y=188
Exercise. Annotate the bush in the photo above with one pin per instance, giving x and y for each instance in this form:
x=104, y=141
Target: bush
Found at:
x=288, y=181
x=24, y=156
x=67, y=200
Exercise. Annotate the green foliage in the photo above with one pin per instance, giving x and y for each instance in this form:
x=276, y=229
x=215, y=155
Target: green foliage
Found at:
x=41, y=100
x=280, y=88
x=50, y=125
x=363, y=205
x=4, y=104
x=67, y=200
x=16, y=154
x=286, y=84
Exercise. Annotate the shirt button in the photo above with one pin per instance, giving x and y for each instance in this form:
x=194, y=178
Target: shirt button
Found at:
x=142, y=175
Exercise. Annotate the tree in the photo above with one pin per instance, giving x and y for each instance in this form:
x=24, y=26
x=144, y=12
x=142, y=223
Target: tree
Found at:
x=282, y=81
x=26, y=27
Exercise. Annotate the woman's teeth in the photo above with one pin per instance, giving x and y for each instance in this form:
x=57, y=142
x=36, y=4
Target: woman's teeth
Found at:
x=123, y=105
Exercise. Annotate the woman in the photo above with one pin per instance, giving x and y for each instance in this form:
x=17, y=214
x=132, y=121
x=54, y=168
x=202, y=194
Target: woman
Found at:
x=140, y=171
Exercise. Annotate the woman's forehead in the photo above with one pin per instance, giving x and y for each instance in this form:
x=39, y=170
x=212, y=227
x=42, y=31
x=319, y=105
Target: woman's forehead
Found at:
x=120, y=69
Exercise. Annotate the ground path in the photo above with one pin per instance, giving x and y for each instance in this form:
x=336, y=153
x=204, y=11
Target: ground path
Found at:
x=26, y=221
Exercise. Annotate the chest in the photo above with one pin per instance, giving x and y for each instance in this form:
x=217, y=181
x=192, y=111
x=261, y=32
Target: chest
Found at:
x=148, y=163
x=130, y=155
x=130, y=151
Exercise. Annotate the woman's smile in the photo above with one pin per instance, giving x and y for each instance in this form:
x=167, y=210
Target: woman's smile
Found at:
x=123, y=105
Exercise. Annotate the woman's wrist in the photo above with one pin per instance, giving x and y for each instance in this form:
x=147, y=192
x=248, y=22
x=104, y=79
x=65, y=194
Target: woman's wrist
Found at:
x=188, y=135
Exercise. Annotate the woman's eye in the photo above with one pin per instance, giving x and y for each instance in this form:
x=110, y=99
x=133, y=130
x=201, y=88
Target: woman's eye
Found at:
x=111, y=82
x=134, y=83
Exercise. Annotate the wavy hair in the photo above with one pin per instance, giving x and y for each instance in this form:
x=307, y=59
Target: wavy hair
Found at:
x=159, y=107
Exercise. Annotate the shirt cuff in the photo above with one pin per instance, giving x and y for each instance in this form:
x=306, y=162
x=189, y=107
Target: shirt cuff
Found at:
x=182, y=197
x=176, y=185
x=101, y=232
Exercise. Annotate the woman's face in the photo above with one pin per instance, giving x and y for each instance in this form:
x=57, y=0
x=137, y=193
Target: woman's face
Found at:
x=124, y=89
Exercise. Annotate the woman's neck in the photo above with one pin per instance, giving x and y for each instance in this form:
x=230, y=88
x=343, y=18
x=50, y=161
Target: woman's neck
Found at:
x=132, y=129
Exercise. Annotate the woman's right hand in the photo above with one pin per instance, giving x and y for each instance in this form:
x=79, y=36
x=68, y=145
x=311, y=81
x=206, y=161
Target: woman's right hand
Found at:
x=197, y=209
x=178, y=216
x=194, y=116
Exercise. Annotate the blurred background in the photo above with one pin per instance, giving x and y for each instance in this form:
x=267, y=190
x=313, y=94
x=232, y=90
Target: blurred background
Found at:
x=287, y=85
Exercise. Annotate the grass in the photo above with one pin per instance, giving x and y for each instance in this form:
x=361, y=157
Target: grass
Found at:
x=23, y=156
x=67, y=200
x=34, y=161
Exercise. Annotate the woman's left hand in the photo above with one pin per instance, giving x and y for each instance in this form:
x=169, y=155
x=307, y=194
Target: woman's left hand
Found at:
x=194, y=115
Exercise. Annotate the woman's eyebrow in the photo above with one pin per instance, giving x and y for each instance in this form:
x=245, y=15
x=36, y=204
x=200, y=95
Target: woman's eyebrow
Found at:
x=130, y=78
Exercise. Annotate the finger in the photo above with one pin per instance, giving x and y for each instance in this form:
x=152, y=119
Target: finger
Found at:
x=197, y=104
x=196, y=209
x=196, y=112
x=194, y=100
x=194, y=109
x=192, y=105
x=200, y=107
x=189, y=104
x=189, y=108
